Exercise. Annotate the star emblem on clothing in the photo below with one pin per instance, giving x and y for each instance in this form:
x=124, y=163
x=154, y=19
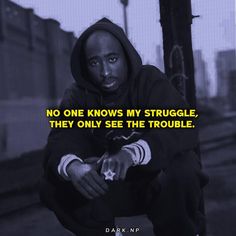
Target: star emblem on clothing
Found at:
x=109, y=174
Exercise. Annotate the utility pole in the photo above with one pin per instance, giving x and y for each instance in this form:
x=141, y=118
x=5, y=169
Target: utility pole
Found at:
x=2, y=20
x=125, y=4
x=176, y=19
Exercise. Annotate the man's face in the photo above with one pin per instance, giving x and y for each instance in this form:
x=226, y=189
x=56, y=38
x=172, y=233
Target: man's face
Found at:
x=106, y=61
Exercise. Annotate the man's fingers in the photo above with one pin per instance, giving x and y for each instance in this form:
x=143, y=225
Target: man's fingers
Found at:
x=104, y=166
x=99, y=180
x=89, y=189
x=117, y=171
x=83, y=191
x=123, y=171
x=88, y=182
x=93, y=187
x=108, y=164
x=111, y=164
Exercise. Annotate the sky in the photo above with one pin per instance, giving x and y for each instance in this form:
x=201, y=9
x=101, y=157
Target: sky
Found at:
x=215, y=29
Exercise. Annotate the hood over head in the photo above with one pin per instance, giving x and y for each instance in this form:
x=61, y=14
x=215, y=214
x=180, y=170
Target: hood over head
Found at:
x=78, y=64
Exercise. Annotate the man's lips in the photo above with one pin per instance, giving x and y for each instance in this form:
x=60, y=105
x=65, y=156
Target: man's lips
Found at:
x=109, y=83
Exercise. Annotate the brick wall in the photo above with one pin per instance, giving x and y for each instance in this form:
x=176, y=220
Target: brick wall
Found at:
x=34, y=72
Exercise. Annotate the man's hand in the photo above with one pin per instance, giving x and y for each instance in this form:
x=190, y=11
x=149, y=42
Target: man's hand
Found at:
x=86, y=179
x=118, y=163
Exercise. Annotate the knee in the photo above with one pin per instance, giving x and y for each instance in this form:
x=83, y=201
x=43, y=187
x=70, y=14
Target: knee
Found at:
x=183, y=172
x=46, y=193
x=181, y=178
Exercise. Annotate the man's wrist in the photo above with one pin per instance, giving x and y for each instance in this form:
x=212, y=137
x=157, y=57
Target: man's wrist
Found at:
x=128, y=156
x=64, y=162
x=139, y=151
x=72, y=167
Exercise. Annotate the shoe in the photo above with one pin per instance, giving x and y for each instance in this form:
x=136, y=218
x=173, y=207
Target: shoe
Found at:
x=118, y=234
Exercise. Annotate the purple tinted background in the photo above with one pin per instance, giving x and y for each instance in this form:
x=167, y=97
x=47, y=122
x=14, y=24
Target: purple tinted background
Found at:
x=213, y=31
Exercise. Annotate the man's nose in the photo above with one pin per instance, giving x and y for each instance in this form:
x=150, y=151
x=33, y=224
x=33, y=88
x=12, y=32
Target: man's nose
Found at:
x=105, y=70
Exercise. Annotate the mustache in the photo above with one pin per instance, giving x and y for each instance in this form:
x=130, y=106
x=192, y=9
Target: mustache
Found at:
x=110, y=78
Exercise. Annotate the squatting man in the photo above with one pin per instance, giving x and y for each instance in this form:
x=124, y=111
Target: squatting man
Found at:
x=93, y=175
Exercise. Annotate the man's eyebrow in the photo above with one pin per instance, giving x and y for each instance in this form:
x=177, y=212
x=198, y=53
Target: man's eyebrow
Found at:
x=112, y=54
x=92, y=58
x=107, y=55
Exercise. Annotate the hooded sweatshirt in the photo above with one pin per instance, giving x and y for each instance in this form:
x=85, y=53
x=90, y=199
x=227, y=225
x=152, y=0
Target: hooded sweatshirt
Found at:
x=146, y=87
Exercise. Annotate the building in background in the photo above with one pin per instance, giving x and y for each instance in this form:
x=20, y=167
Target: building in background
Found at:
x=232, y=90
x=225, y=62
x=159, y=58
x=34, y=54
x=34, y=72
x=201, y=76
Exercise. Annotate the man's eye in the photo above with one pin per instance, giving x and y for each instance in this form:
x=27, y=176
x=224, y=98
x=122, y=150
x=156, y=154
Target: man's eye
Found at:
x=93, y=63
x=113, y=59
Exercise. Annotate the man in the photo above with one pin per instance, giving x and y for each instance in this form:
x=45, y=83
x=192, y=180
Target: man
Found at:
x=93, y=175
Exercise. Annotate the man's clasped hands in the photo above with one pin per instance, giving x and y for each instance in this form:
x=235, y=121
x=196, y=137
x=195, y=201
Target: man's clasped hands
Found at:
x=89, y=177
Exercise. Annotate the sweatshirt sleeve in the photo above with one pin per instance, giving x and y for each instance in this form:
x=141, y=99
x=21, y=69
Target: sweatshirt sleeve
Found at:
x=165, y=144
x=67, y=141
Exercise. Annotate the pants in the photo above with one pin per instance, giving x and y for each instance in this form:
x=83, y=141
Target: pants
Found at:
x=170, y=201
